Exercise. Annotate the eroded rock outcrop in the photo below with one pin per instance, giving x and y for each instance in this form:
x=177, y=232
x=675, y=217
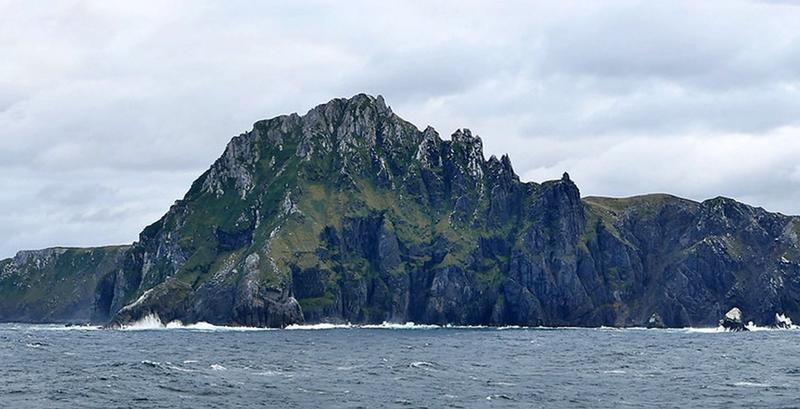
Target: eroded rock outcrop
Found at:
x=732, y=321
x=655, y=321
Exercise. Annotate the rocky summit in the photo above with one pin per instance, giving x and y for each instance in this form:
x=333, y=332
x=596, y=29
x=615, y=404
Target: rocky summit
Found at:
x=351, y=214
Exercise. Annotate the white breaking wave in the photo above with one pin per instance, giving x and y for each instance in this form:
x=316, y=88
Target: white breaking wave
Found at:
x=752, y=384
x=78, y=328
x=784, y=320
x=269, y=373
x=204, y=326
x=422, y=365
x=750, y=327
x=387, y=325
x=406, y=325
x=504, y=397
x=153, y=322
x=50, y=327
x=318, y=326
x=753, y=327
x=149, y=322
x=703, y=330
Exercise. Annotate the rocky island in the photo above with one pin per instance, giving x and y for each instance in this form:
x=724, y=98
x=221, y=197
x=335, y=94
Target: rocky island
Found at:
x=351, y=214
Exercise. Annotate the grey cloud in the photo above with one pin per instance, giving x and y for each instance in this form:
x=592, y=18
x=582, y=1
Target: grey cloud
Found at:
x=108, y=111
x=670, y=110
x=74, y=194
x=702, y=44
x=753, y=169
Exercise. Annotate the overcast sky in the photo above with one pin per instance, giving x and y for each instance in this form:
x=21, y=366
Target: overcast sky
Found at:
x=109, y=110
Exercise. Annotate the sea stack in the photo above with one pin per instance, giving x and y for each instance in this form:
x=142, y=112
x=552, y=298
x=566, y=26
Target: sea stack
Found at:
x=732, y=321
x=655, y=321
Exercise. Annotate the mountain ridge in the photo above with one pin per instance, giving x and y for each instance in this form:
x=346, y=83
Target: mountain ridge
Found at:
x=351, y=214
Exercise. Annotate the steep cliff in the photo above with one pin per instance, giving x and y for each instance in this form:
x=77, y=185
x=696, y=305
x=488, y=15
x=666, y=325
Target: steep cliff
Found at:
x=349, y=213
x=56, y=285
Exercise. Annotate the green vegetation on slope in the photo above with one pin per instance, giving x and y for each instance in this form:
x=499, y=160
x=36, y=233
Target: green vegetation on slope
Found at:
x=54, y=284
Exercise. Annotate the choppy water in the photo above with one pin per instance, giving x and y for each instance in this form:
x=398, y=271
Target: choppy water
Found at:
x=208, y=367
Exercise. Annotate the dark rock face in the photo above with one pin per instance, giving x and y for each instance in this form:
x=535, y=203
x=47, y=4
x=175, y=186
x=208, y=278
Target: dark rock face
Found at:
x=169, y=301
x=351, y=214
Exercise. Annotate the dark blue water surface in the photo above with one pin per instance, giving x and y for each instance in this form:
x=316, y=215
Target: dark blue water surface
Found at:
x=207, y=367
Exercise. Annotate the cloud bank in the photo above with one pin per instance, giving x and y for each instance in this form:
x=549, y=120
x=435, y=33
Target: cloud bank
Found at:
x=108, y=110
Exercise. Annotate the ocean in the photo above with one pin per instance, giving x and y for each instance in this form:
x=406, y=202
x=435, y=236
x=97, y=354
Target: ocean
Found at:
x=395, y=366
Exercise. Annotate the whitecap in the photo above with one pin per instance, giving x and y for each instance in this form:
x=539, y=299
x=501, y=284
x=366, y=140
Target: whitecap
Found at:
x=51, y=327
x=706, y=330
x=385, y=325
x=152, y=364
x=501, y=383
x=752, y=384
x=750, y=326
x=346, y=368
x=755, y=328
x=421, y=365
x=204, y=326
x=721, y=330
x=154, y=322
x=218, y=367
x=318, y=326
x=148, y=322
x=405, y=325
x=75, y=328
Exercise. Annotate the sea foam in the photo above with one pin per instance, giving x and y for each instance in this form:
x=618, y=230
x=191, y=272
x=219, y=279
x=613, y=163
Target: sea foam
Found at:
x=386, y=325
x=154, y=322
